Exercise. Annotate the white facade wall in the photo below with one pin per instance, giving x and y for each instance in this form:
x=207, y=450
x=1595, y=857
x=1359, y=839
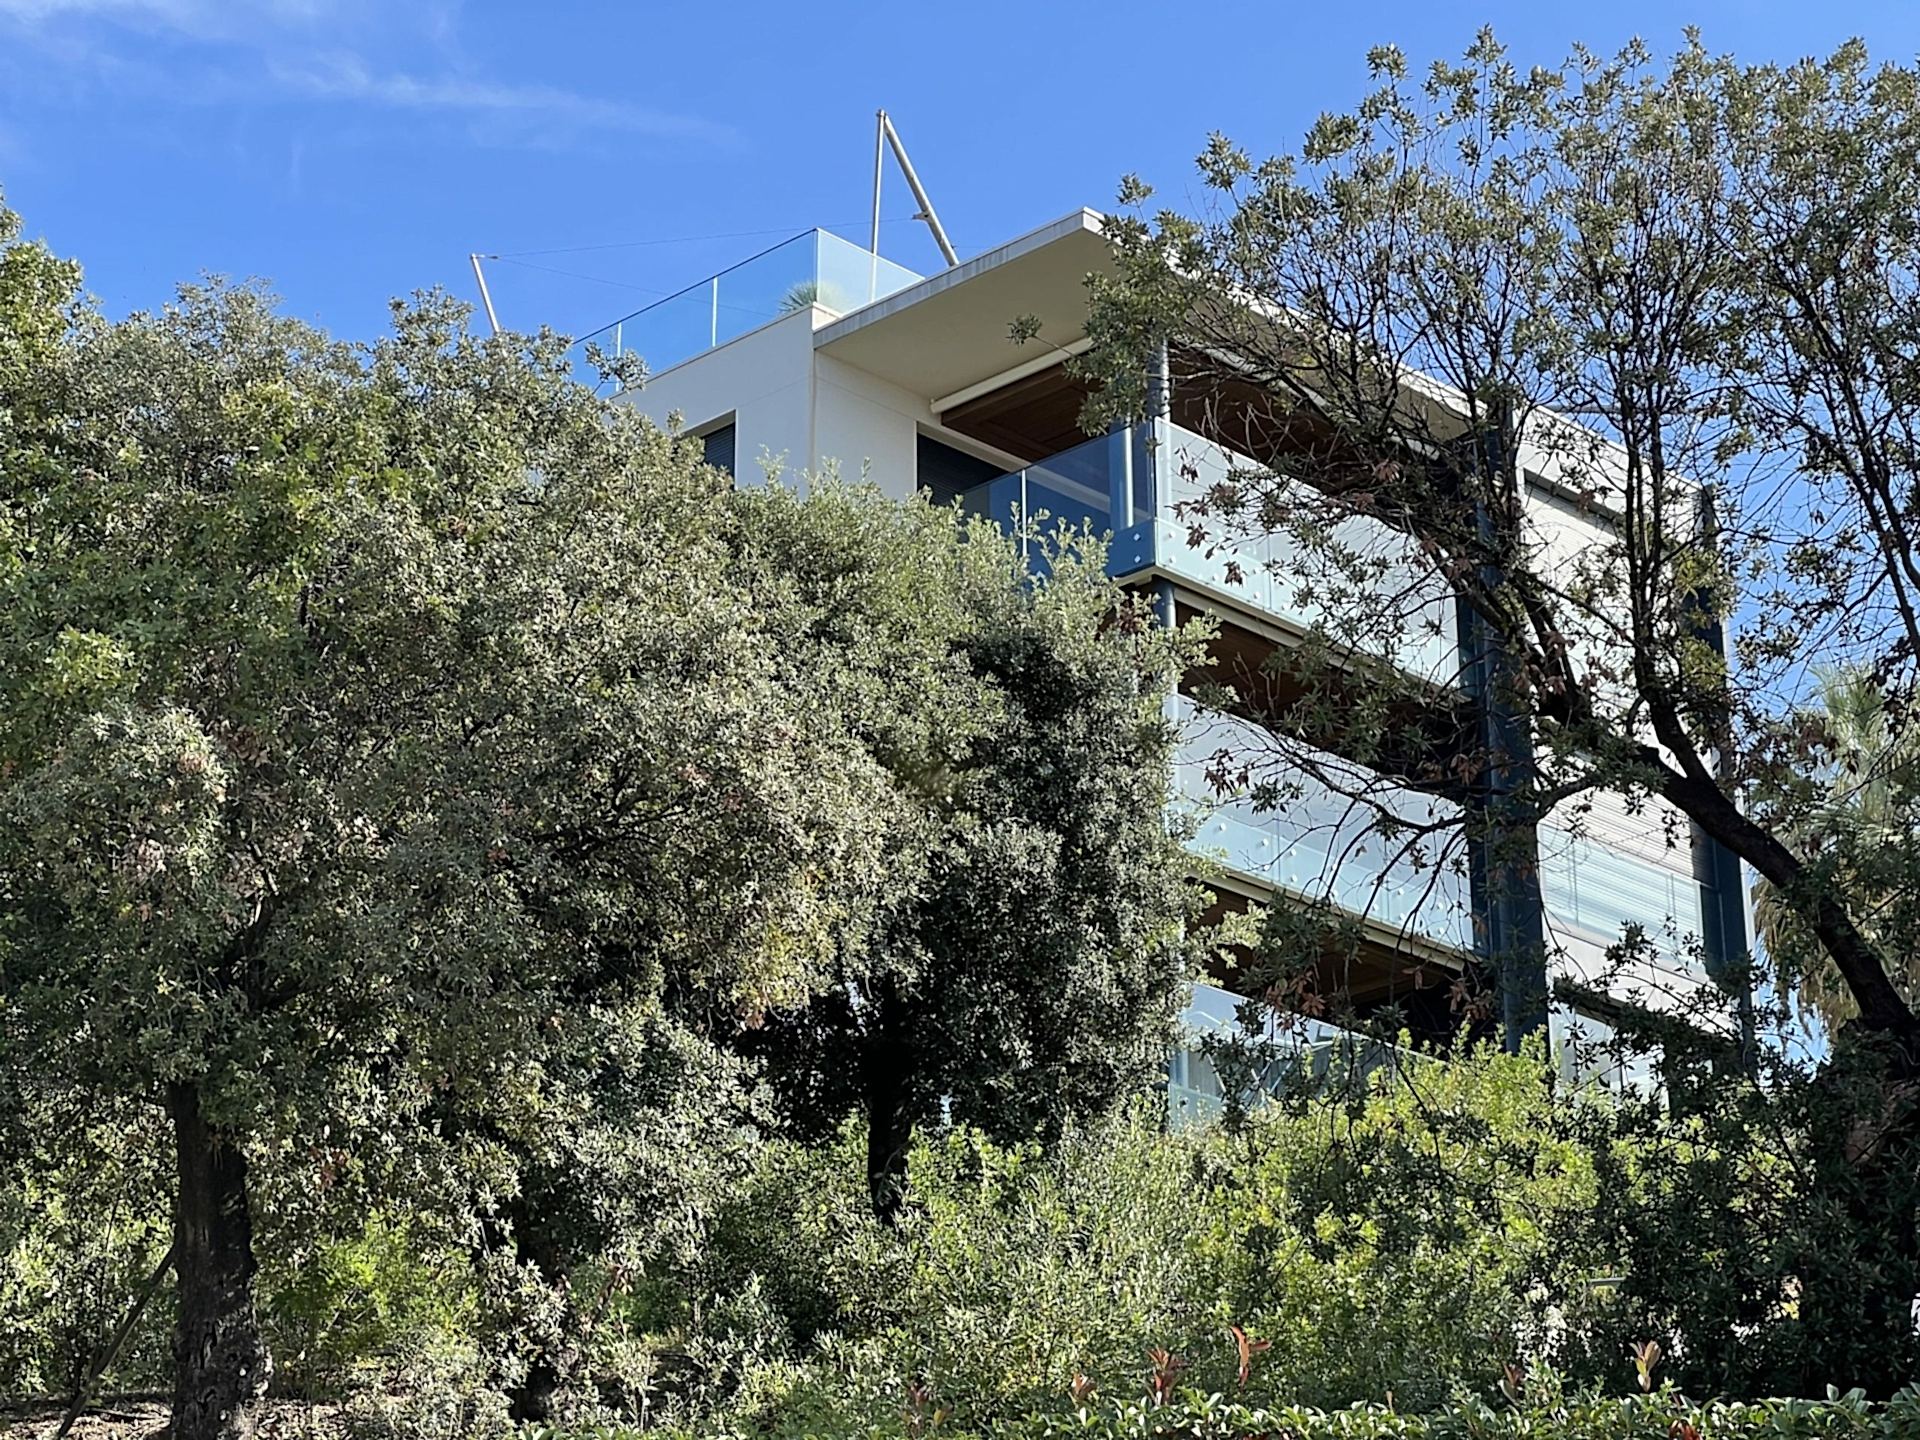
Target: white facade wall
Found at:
x=865, y=426
x=764, y=379
x=794, y=410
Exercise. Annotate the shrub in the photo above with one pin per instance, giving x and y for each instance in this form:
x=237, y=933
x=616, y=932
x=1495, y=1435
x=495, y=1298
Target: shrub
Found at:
x=1546, y=1415
x=83, y=1222
x=335, y=1307
x=1541, y=1411
x=1386, y=1246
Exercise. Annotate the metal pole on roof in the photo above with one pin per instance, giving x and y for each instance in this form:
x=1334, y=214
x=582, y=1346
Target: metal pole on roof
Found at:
x=879, y=161
x=486, y=297
x=892, y=137
x=879, y=165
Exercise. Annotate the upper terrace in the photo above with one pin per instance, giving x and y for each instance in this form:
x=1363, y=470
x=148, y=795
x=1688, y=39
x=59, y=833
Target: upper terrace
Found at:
x=814, y=267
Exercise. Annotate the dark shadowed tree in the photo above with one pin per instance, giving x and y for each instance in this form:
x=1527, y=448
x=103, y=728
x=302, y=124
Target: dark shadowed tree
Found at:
x=1031, y=941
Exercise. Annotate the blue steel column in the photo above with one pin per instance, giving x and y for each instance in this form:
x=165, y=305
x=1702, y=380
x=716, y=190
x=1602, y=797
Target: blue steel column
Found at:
x=1716, y=869
x=1504, y=840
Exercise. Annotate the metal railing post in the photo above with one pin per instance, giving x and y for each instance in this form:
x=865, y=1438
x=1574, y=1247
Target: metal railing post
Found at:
x=1026, y=524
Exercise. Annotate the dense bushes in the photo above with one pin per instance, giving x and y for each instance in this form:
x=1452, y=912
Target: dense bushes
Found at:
x=1551, y=1416
x=82, y=1225
x=1538, y=1416
x=1395, y=1246
x=1399, y=1242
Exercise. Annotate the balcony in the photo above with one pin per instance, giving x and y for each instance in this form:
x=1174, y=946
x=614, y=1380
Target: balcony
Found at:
x=815, y=267
x=1298, y=1051
x=1597, y=892
x=1136, y=486
x=1323, y=841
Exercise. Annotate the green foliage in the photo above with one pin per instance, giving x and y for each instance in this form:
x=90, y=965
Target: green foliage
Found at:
x=1540, y=1412
x=83, y=1223
x=383, y=746
x=1403, y=1242
x=339, y=1309
x=1856, y=809
x=1032, y=931
x=1405, y=1245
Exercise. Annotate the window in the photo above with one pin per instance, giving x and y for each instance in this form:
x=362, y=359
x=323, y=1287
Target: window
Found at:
x=946, y=473
x=718, y=445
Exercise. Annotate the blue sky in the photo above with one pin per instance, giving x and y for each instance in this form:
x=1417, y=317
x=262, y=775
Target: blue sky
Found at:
x=351, y=150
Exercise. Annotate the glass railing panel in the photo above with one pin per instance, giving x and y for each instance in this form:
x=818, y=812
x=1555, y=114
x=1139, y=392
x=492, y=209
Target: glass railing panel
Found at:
x=998, y=501
x=1310, y=585
x=1598, y=891
x=1295, y=1050
x=850, y=276
x=776, y=283
x=1142, y=492
x=663, y=334
x=1192, y=474
x=813, y=268
x=1140, y=501
x=1075, y=487
x=1073, y=490
x=1323, y=840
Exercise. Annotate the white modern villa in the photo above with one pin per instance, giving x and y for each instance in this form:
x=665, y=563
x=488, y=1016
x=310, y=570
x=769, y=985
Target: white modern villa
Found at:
x=818, y=353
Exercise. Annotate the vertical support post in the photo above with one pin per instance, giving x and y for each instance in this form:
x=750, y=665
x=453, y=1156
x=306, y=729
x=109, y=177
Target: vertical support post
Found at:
x=879, y=166
x=1159, y=383
x=713, y=330
x=1725, y=923
x=1159, y=413
x=1163, y=603
x=1504, y=856
x=486, y=296
x=1026, y=525
x=618, y=348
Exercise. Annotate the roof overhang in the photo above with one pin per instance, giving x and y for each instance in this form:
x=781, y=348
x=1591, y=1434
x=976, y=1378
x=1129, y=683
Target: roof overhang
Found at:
x=952, y=330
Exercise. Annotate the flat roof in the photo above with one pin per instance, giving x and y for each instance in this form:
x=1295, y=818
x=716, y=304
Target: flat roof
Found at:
x=952, y=330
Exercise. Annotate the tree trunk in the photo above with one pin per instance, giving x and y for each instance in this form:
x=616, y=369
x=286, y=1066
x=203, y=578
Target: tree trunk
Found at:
x=886, y=1080
x=221, y=1366
x=531, y=1401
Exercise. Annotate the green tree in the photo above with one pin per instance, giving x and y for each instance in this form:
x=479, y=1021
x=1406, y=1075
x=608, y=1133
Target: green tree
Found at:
x=1031, y=939
x=372, y=722
x=1859, y=818
x=1680, y=297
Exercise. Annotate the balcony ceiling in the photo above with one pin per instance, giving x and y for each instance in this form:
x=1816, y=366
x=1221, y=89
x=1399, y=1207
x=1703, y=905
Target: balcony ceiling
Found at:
x=951, y=330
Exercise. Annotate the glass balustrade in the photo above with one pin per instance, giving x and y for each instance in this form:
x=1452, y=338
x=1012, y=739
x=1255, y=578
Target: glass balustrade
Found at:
x=1296, y=1050
x=1139, y=486
x=1324, y=838
x=1598, y=891
x=1352, y=576
x=813, y=268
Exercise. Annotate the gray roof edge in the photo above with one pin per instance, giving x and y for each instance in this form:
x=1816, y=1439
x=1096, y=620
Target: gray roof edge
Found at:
x=1077, y=222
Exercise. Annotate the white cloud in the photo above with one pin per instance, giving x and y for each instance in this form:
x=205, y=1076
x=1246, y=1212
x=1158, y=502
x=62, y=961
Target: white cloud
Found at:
x=272, y=43
x=346, y=78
